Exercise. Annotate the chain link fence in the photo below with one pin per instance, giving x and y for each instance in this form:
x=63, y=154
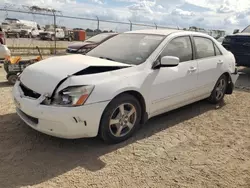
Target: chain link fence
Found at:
x=52, y=19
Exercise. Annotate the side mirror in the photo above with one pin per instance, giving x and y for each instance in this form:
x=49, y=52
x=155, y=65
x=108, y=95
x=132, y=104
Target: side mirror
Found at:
x=169, y=61
x=236, y=31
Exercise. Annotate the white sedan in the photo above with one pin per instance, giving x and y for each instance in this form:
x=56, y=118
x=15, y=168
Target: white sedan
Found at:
x=4, y=52
x=115, y=88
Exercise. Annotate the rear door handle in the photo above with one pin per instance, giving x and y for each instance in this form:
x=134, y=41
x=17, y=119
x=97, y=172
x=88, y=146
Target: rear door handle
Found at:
x=192, y=69
x=220, y=62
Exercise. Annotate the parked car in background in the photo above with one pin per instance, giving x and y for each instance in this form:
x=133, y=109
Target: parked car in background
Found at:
x=86, y=46
x=30, y=33
x=2, y=37
x=123, y=82
x=20, y=28
x=4, y=52
x=239, y=45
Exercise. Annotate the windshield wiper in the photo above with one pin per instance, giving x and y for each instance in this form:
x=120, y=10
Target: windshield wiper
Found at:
x=107, y=58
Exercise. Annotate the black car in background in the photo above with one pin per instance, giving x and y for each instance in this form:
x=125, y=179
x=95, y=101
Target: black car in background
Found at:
x=239, y=45
x=89, y=44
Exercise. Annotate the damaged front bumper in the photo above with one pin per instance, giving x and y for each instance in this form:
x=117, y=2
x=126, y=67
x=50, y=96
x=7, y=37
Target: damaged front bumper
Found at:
x=63, y=122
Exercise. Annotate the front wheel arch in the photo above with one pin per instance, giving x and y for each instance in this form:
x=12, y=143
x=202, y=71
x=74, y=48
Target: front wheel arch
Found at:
x=103, y=133
x=140, y=98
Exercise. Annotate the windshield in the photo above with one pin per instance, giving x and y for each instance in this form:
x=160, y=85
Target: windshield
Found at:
x=98, y=38
x=220, y=39
x=129, y=48
x=246, y=30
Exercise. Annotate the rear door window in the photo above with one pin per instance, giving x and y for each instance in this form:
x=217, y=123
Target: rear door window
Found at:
x=204, y=47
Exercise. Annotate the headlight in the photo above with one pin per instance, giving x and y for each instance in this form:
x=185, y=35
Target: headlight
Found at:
x=82, y=50
x=73, y=96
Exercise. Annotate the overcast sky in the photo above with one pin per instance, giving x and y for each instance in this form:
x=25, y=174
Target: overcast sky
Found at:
x=209, y=14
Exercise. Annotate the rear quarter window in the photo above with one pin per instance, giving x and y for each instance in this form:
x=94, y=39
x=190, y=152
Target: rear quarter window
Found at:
x=217, y=50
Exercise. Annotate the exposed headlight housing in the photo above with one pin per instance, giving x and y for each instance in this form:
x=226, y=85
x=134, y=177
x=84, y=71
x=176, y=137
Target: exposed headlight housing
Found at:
x=73, y=96
x=82, y=50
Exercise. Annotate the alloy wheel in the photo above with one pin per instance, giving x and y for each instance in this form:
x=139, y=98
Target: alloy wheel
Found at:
x=122, y=120
x=220, y=89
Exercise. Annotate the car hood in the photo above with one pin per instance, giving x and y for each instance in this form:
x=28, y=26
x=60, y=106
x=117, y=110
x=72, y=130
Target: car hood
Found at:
x=45, y=76
x=77, y=45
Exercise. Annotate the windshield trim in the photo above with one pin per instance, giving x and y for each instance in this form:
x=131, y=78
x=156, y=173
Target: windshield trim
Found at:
x=149, y=34
x=107, y=36
x=243, y=31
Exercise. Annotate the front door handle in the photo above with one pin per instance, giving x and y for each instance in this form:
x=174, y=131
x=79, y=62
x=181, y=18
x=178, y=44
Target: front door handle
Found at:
x=192, y=69
x=220, y=62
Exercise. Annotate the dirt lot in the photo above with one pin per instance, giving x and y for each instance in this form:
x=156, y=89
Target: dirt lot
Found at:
x=200, y=145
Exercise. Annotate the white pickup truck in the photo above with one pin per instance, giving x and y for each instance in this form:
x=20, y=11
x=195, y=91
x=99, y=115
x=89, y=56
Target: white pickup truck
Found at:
x=22, y=28
x=61, y=34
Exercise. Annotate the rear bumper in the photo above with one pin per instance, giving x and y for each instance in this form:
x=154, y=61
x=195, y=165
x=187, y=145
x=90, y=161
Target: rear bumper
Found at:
x=233, y=78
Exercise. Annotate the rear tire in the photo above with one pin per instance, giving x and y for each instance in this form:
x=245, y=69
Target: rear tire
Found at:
x=120, y=120
x=219, y=90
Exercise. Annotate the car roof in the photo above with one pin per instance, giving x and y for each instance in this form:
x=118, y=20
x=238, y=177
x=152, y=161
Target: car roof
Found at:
x=108, y=33
x=155, y=31
x=167, y=32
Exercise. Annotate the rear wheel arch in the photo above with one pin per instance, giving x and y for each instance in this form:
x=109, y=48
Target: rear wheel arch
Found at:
x=227, y=75
x=219, y=90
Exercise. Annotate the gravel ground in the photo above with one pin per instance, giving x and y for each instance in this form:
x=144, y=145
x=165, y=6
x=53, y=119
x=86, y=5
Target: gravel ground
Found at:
x=200, y=145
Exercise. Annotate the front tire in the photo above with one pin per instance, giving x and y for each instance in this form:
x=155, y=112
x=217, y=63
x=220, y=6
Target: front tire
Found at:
x=121, y=119
x=219, y=90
